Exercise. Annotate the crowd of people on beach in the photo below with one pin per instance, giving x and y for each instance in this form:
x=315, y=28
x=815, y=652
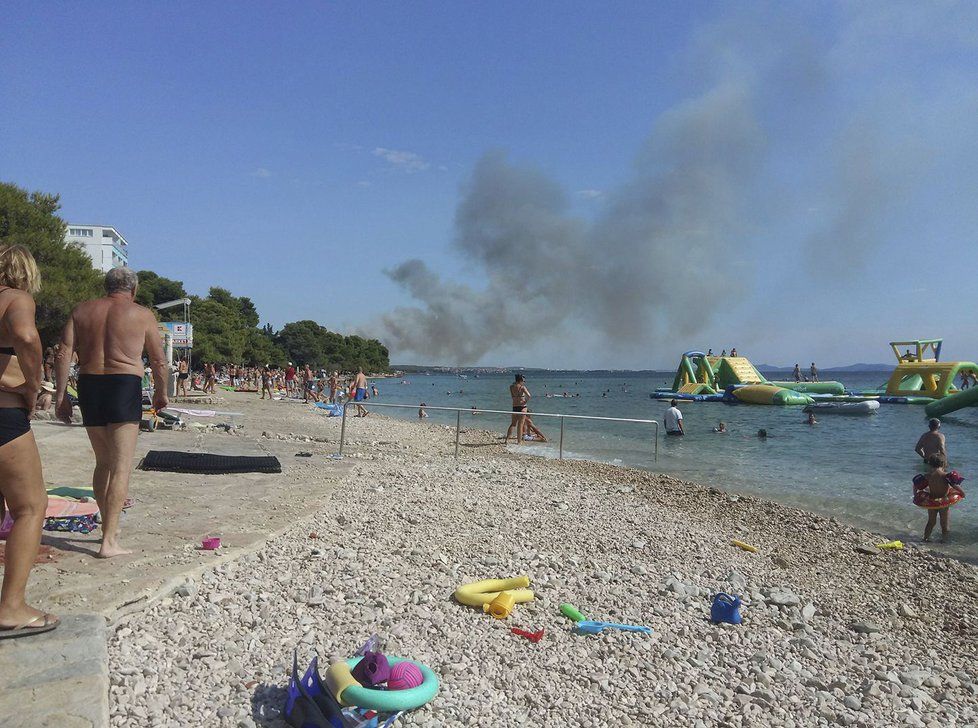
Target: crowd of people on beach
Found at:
x=271, y=382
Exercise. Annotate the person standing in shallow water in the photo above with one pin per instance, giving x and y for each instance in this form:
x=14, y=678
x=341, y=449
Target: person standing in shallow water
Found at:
x=932, y=442
x=520, y=396
x=21, y=478
x=109, y=335
x=674, y=420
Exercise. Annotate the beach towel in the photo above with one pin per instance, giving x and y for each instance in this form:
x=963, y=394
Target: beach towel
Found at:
x=172, y=461
x=194, y=412
x=66, y=491
x=334, y=410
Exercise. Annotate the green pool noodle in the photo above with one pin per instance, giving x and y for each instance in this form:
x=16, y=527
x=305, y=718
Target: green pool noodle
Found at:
x=389, y=701
x=570, y=611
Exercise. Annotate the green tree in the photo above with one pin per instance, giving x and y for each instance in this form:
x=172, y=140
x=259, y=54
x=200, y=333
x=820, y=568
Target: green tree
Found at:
x=306, y=342
x=302, y=342
x=260, y=349
x=67, y=275
x=155, y=289
x=218, y=333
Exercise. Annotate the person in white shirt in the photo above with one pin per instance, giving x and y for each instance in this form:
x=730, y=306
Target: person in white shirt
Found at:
x=674, y=420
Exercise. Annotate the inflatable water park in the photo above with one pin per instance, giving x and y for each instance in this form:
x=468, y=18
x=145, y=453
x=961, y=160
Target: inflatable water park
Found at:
x=920, y=377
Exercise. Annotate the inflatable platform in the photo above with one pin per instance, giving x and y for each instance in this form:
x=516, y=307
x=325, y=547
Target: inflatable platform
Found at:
x=702, y=377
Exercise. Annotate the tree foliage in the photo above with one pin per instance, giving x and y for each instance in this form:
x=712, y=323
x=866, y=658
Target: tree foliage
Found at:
x=308, y=342
x=155, y=289
x=67, y=275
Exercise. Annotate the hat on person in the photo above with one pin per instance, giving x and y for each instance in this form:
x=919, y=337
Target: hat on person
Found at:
x=47, y=386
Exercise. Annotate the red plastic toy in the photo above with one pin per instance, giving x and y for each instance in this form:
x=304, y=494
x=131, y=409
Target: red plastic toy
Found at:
x=532, y=636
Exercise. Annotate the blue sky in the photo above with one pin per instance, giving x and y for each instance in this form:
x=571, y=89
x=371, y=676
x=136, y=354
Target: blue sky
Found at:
x=295, y=153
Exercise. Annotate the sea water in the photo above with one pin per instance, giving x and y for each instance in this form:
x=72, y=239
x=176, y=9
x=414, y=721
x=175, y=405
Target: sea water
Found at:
x=858, y=468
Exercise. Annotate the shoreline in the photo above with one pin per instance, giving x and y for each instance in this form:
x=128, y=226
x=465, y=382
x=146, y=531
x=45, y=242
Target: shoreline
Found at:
x=911, y=538
x=830, y=634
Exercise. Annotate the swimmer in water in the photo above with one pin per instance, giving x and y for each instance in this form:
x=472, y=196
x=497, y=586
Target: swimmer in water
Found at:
x=762, y=433
x=721, y=428
x=811, y=419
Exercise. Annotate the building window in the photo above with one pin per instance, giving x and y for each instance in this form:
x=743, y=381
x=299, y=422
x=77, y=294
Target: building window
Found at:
x=80, y=232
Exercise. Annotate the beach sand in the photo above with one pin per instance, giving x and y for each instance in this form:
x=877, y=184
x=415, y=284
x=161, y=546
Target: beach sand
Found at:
x=379, y=541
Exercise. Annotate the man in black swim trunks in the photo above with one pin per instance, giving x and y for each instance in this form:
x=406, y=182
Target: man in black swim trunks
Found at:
x=109, y=335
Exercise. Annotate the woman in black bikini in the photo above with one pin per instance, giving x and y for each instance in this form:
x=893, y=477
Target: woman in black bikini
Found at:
x=521, y=397
x=21, y=481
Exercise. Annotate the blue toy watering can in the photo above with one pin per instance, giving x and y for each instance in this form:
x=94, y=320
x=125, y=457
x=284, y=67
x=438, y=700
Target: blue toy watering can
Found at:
x=725, y=609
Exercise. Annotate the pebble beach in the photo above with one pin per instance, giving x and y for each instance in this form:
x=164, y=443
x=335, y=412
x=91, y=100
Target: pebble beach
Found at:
x=834, y=631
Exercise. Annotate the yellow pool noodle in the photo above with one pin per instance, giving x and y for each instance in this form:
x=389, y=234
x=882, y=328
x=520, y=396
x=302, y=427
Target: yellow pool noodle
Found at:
x=744, y=546
x=483, y=592
x=339, y=678
x=890, y=545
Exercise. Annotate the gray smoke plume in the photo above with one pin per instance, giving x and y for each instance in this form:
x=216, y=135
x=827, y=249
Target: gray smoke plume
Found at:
x=674, y=245
x=654, y=251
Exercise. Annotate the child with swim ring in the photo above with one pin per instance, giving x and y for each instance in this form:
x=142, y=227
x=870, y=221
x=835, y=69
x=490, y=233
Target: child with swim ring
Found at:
x=937, y=492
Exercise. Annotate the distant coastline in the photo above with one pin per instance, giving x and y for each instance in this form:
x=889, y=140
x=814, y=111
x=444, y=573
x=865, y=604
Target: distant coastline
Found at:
x=421, y=369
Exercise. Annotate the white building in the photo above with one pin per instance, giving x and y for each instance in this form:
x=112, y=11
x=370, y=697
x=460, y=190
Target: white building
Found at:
x=104, y=245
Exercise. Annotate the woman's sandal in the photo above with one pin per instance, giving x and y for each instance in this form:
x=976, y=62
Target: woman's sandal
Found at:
x=30, y=627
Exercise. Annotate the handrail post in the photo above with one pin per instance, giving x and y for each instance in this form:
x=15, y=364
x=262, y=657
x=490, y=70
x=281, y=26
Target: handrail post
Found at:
x=561, y=456
x=656, y=437
x=343, y=429
x=458, y=429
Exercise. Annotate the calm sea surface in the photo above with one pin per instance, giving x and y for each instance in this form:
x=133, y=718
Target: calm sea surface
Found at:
x=856, y=468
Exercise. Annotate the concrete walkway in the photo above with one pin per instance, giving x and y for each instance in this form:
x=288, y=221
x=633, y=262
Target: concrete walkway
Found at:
x=56, y=680
x=171, y=514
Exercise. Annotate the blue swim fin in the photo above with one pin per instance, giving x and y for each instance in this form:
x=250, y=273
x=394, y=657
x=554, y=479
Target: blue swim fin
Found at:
x=301, y=711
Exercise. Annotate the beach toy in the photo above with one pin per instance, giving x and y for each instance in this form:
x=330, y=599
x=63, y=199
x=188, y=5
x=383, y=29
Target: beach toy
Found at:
x=570, y=611
x=891, y=545
x=307, y=704
x=502, y=606
x=390, y=701
x=372, y=670
x=404, y=676
x=211, y=544
x=589, y=627
x=744, y=546
x=725, y=608
x=483, y=592
x=532, y=636
x=338, y=679
x=923, y=499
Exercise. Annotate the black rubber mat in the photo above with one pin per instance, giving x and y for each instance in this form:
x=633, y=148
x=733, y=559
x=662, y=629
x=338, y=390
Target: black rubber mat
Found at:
x=173, y=461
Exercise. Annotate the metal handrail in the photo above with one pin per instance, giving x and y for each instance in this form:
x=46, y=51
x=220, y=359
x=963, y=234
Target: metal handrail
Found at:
x=458, y=421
